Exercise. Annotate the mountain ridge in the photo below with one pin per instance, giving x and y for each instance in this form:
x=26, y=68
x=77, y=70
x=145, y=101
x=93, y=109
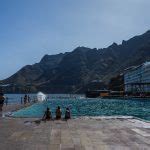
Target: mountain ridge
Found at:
x=70, y=71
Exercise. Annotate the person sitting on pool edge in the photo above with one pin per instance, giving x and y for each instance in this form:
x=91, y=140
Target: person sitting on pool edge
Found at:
x=47, y=115
x=58, y=113
x=67, y=113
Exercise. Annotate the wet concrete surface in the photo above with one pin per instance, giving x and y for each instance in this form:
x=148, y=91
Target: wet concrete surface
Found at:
x=74, y=134
x=85, y=133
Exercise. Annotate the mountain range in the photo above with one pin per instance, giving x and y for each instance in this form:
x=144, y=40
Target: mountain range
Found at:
x=73, y=72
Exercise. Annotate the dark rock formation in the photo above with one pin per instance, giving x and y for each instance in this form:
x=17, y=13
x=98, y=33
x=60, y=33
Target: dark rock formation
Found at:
x=74, y=71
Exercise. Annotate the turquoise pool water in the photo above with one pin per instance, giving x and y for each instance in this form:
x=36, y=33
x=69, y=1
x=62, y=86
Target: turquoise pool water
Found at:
x=90, y=107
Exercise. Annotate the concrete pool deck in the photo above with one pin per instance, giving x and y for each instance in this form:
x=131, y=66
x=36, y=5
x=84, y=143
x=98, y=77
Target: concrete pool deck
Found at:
x=84, y=133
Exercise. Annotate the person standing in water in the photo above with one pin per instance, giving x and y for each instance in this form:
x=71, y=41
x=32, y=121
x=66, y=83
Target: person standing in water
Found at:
x=58, y=113
x=28, y=99
x=25, y=99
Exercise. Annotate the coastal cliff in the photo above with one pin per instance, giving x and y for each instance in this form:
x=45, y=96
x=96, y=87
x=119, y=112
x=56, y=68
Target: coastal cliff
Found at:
x=73, y=72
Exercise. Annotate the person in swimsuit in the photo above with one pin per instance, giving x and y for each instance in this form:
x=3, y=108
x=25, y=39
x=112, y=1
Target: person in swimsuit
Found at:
x=67, y=113
x=2, y=99
x=47, y=115
x=58, y=113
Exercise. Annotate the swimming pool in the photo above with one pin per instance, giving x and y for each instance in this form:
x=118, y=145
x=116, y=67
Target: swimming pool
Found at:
x=90, y=107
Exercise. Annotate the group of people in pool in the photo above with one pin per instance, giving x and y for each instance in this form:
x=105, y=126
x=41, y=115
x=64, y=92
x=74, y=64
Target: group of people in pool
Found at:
x=48, y=115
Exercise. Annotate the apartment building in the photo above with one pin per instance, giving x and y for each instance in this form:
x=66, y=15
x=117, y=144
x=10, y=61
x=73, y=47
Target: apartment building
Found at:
x=137, y=79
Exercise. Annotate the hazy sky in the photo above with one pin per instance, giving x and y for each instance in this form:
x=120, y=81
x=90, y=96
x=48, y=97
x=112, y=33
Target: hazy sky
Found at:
x=30, y=29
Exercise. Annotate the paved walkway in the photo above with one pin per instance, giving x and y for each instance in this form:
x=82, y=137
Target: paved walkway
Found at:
x=14, y=107
x=75, y=134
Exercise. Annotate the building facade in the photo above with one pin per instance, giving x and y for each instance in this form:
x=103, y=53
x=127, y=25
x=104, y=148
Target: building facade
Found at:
x=137, y=79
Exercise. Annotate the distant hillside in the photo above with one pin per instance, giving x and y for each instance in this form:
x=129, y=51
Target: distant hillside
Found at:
x=74, y=71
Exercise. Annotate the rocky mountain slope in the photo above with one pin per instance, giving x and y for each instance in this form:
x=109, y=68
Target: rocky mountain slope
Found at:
x=71, y=71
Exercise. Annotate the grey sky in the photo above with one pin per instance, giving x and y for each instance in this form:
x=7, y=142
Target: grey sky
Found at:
x=30, y=29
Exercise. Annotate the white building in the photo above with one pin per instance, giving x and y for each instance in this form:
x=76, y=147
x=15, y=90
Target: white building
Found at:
x=137, y=78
